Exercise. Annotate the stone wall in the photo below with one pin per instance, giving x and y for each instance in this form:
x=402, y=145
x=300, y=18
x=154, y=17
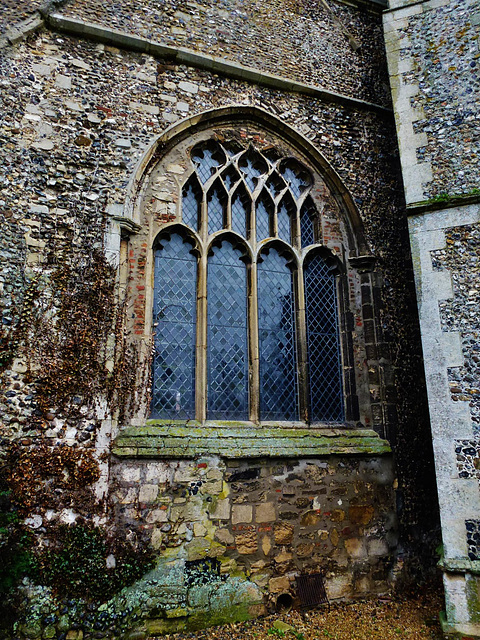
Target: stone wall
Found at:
x=77, y=118
x=433, y=53
x=303, y=40
x=269, y=520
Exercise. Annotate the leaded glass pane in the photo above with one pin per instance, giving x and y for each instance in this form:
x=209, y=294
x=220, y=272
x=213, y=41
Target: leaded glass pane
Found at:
x=239, y=214
x=207, y=158
x=215, y=211
x=252, y=165
x=276, y=323
x=174, y=317
x=296, y=176
x=191, y=200
x=230, y=177
x=275, y=184
x=284, y=222
x=227, y=335
x=325, y=383
x=306, y=223
x=263, y=212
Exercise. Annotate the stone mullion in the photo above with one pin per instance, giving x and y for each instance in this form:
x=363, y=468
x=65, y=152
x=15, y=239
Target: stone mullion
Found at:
x=254, y=349
x=201, y=341
x=301, y=338
x=201, y=337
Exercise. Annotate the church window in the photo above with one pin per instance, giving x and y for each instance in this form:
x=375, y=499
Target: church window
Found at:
x=246, y=320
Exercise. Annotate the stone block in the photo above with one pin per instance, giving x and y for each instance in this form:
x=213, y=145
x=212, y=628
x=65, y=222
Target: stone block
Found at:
x=283, y=533
x=148, y=493
x=220, y=510
x=188, y=87
x=355, y=547
x=266, y=545
x=360, y=514
x=157, y=515
x=281, y=584
x=156, y=539
x=265, y=512
x=377, y=547
x=131, y=474
x=242, y=513
x=224, y=536
x=246, y=542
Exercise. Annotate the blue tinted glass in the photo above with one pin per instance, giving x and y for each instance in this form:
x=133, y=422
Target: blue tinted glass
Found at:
x=252, y=165
x=239, y=215
x=207, y=160
x=296, y=176
x=306, y=223
x=227, y=335
x=325, y=381
x=215, y=212
x=283, y=222
x=262, y=213
x=174, y=315
x=190, y=206
x=276, y=323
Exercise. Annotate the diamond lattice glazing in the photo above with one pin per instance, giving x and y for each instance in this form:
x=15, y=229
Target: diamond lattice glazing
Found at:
x=174, y=341
x=227, y=335
x=276, y=324
x=325, y=383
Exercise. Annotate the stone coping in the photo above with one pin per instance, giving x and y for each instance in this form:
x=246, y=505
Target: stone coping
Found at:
x=180, y=55
x=191, y=440
x=460, y=565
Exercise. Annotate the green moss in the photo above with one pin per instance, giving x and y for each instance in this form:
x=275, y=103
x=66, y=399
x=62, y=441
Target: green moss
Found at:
x=473, y=598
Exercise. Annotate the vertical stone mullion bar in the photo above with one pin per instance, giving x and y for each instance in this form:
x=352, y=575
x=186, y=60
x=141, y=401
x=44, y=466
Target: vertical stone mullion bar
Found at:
x=253, y=348
x=201, y=344
x=302, y=356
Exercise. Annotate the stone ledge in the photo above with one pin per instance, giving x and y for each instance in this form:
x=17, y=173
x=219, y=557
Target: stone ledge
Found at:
x=175, y=441
x=460, y=565
x=181, y=55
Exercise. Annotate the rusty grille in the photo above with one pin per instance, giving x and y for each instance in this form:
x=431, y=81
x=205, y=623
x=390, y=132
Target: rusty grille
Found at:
x=311, y=590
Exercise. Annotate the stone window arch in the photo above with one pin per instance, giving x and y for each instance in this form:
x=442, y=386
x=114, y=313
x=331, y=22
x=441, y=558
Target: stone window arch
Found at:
x=247, y=304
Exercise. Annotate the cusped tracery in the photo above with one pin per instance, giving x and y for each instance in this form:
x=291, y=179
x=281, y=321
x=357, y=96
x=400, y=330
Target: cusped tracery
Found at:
x=247, y=324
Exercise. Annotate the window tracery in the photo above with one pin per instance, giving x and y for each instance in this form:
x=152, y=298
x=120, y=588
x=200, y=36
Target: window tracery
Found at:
x=269, y=347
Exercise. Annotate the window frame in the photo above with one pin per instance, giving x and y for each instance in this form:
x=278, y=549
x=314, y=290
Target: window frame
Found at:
x=203, y=241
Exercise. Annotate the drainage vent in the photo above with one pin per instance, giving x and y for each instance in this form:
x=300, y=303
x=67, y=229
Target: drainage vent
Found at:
x=311, y=590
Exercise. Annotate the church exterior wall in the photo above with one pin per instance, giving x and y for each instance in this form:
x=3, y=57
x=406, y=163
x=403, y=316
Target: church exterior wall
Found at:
x=81, y=117
x=436, y=111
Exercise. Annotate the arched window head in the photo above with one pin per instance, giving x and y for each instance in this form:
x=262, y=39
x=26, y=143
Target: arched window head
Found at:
x=246, y=326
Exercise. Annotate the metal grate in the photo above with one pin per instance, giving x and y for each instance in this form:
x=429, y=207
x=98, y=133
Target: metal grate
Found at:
x=311, y=590
x=276, y=324
x=174, y=316
x=227, y=335
x=325, y=382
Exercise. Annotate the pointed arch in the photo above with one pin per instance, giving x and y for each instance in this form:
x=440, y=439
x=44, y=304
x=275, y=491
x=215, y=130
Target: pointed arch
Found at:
x=236, y=115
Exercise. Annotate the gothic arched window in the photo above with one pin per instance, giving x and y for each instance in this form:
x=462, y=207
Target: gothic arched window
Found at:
x=245, y=302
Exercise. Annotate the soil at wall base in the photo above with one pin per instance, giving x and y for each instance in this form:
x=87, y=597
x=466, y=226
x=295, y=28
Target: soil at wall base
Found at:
x=407, y=617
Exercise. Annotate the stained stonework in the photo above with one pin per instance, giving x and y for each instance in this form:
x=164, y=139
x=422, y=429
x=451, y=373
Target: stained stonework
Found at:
x=175, y=517
x=269, y=518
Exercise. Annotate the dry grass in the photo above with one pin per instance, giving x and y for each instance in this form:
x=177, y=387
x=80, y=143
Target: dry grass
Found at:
x=401, y=618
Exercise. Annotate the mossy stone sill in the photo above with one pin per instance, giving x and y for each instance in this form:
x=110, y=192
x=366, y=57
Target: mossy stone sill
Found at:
x=239, y=440
x=460, y=565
